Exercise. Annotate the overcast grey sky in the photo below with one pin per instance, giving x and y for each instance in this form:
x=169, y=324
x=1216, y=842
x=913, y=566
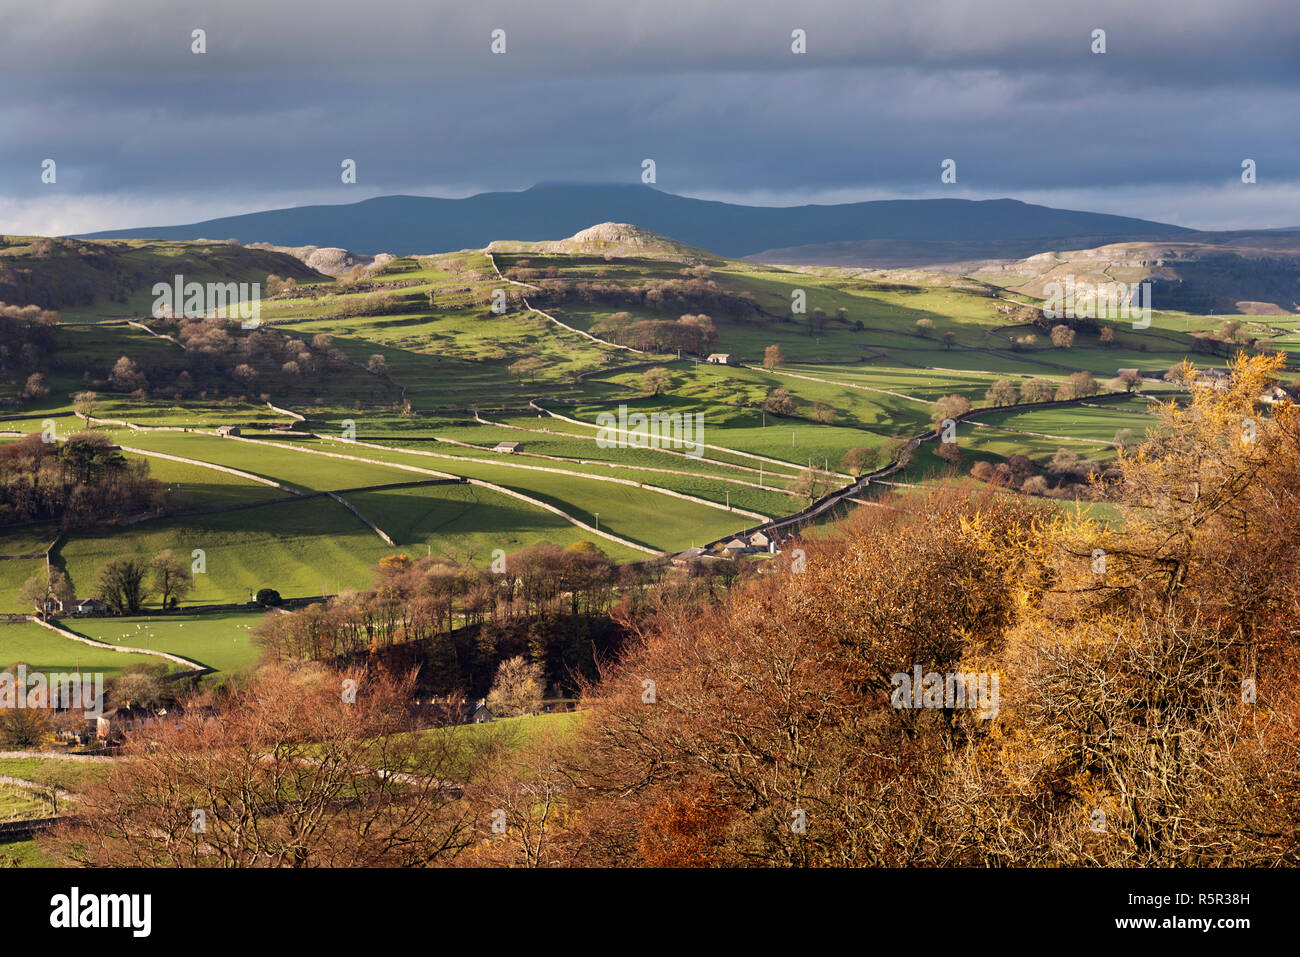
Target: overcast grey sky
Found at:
x=145, y=132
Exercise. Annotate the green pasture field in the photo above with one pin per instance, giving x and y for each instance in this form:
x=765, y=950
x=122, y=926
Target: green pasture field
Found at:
x=195, y=486
x=639, y=515
x=49, y=652
x=795, y=442
x=13, y=573
x=308, y=473
x=465, y=523
x=575, y=449
x=53, y=772
x=515, y=734
x=1081, y=421
x=217, y=639
x=24, y=853
x=298, y=547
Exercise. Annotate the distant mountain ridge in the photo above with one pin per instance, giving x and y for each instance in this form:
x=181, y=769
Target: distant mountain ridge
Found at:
x=419, y=224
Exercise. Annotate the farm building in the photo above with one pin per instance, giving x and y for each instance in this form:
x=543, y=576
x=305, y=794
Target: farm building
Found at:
x=111, y=725
x=87, y=606
x=226, y=430
x=737, y=546
x=695, y=557
x=760, y=540
x=720, y=359
x=451, y=709
x=508, y=447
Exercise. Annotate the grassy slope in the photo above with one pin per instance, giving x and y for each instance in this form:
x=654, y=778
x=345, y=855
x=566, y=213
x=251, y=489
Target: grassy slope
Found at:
x=219, y=640
x=91, y=280
x=45, y=651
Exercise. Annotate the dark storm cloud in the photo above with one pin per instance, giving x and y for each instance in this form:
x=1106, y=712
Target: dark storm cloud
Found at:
x=710, y=90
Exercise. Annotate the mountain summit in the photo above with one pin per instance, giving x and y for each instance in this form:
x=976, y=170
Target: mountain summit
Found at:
x=617, y=239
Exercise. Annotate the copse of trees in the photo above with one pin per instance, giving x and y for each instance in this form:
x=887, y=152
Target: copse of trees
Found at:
x=689, y=333
x=375, y=304
x=82, y=481
x=219, y=352
x=1065, y=476
x=670, y=296
x=123, y=585
x=553, y=604
x=1048, y=323
x=278, y=286
x=26, y=341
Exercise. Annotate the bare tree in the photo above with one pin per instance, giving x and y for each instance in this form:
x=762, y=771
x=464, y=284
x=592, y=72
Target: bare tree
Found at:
x=517, y=688
x=289, y=771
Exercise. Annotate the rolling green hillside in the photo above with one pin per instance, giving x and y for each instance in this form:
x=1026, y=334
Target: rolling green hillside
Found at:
x=89, y=280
